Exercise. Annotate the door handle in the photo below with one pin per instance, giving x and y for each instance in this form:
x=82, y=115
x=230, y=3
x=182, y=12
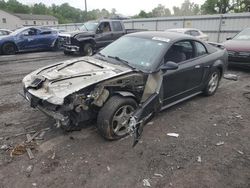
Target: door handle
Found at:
x=197, y=66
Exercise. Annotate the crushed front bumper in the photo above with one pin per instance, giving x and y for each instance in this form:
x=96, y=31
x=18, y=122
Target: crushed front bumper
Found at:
x=71, y=48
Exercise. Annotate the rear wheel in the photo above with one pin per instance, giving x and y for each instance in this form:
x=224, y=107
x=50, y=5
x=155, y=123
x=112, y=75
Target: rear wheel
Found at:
x=9, y=48
x=112, y=120
x=213, y=83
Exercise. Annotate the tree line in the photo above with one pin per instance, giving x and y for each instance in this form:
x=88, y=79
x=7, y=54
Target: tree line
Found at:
x=68, y=14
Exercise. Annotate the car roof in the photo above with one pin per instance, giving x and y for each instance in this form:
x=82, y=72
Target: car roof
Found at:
x=182, y=29
x=172, y=36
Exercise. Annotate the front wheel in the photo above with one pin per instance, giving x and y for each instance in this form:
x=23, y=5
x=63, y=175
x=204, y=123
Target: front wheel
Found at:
x=87, y=49
x=112, y=120
x=9, y=49
x=213, y=83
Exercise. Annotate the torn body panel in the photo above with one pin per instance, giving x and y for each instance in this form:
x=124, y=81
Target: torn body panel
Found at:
x=151, y=103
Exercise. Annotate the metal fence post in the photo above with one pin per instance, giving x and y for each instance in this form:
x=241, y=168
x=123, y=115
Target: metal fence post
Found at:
x=219, y=29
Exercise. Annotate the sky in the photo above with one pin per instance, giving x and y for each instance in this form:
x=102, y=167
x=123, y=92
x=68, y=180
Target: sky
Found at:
x=125, y=7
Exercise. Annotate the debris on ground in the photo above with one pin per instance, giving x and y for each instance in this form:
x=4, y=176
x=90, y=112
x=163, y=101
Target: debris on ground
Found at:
x=158, y=175
x=34, y=184
x=215, y=124
x=108, y=168
x=53, y=155
x=4, y=147
x=217, y=134
x=233, y=77
x=19, y=149
x=146, y=183
x=220, y=143
x=239, y=116
x=176, y=135
x=29, y=170
x=199, y=159
x=30, y=154
x=150, y=123
x=238, y=151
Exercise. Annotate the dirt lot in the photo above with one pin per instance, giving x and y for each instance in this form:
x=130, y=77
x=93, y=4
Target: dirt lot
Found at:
x=84, y=159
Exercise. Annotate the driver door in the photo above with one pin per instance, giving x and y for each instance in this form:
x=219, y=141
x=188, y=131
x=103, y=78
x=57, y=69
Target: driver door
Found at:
x=27, y=40
x=186, y=80
x=103, y=35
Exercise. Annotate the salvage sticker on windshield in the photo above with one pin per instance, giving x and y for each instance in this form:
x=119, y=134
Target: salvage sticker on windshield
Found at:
x=161, y=39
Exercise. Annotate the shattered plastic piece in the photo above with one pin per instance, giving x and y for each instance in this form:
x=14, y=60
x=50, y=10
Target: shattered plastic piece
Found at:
x=150, y=123
x=146, y=183
x=4, y=147
x=158, y=175
x=34, y=184
x=176, y=135
x=239, y=116
x=231, y=77
x=28, y=170
x=53, y=155
x=215, y=124
x=219, y=143
x=30, y=154
x=240, y=152
x=199, y=159
x=108, y=168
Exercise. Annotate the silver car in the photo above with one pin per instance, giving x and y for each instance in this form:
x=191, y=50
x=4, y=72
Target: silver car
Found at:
x=191, y=31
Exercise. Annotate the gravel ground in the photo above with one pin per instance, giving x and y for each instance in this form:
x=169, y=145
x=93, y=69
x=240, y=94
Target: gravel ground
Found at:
x=212, y=149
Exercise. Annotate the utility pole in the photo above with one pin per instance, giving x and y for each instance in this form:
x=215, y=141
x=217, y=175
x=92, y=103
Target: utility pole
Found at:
x=86, y=9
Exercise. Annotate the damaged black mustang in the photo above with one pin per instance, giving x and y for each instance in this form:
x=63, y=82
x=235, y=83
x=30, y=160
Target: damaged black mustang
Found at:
x=127, y=82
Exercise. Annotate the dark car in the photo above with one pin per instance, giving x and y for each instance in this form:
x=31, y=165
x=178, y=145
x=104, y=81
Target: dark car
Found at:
x=28, y=39
x=238, y=49
x=145, y=71
x=92, y=36
x=4, y=32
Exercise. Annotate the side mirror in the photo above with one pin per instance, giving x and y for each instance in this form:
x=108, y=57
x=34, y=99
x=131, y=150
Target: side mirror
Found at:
x=98, y=31
x=169, y=65
x=229, y=38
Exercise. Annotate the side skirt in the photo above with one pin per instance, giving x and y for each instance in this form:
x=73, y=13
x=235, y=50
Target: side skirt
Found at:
x=181, y=100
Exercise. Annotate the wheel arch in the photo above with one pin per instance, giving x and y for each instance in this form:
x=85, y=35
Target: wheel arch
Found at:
x=219, y=65
x=5, y=42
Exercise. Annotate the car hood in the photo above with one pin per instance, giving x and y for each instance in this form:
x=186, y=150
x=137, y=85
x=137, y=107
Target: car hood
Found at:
x=237, y=45
x=76, y=33
x=62, y=79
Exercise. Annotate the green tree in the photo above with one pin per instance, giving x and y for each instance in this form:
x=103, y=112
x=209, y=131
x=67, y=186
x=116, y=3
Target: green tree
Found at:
x=161, y=11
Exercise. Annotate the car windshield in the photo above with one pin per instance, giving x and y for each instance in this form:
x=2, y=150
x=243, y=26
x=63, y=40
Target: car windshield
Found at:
x=89, y=26
x=243, y=35
x=18, y=31
x=139, y=53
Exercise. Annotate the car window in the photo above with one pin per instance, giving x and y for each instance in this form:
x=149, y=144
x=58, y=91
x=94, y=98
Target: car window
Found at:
x=46, y=32
x=117, y=26
x=200, y=49
x=194, y=33
x=29, y=32
x=180, y=51
x=1, y=33
x=104, y=27
x=188, y=32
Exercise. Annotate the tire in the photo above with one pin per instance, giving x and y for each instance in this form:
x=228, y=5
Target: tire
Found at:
x=87, y=49
x=9, y=48
x=67, y=53
x=213, y=83
x=112, y=118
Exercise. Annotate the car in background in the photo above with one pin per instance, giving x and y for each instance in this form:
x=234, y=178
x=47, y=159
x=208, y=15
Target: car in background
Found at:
x=29, y=39
x=238, y=48
x=92, y=36
x=4, y=32
x=142, y=72
x=191, y=31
